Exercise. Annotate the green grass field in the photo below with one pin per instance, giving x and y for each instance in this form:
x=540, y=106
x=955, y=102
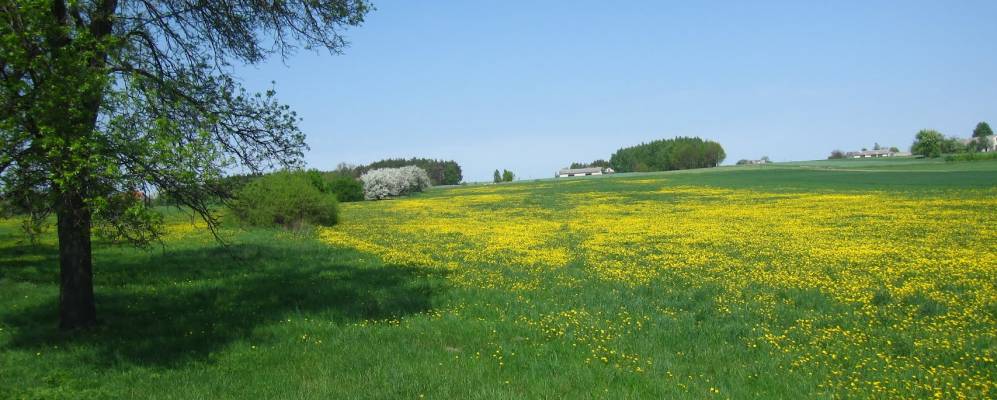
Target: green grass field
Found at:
x=825, y=279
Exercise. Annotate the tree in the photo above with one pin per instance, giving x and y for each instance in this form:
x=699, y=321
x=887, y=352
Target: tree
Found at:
x=928, y=143
x=836, y=154
x=982, y=129
x=600, y=163
x=668, y=154
x=497, y=177
x=954, y=145
x=507, y=176
x=104, y=97
x=875, y=146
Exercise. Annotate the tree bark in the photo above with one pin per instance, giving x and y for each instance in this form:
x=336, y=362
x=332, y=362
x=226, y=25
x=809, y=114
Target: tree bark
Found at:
x=76, y=302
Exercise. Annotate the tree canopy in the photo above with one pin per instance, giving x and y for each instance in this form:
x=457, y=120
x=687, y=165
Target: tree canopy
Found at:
x=928, y=143
x=668, y=154
x=982, y=129
x=104, y=97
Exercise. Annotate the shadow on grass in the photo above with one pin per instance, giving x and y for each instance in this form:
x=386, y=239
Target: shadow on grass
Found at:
x=36, y=263
x=181, y=306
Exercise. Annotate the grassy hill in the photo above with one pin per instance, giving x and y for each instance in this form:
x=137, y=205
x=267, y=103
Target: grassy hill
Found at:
x=850, y=278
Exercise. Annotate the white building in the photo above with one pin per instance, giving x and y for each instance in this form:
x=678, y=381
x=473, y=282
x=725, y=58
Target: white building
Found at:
x=566, y=172
x=991, y=141
x=875, y=153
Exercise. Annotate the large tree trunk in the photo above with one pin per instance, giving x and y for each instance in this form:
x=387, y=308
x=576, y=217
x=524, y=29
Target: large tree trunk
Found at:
x=76, y=302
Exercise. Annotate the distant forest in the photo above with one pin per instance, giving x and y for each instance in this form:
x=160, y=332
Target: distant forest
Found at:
x=440, y=172
x=668, y=154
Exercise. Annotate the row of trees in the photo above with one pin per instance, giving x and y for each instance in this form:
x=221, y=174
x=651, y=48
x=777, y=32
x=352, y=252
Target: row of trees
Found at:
x=931, y=143
x=505, y=176
x=668, y=154
x=441, y=172
x=838, y=154
x=345, y=187
x=763, y=160
x=600, y=163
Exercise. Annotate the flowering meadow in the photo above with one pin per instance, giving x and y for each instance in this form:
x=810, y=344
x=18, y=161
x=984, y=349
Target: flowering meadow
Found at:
x=871, y=293
x=800, y=281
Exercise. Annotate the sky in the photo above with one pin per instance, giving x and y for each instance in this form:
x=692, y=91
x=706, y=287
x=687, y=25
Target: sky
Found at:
x=532, y=86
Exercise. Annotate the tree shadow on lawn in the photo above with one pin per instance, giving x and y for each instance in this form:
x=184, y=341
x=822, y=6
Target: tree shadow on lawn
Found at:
x=171, y=308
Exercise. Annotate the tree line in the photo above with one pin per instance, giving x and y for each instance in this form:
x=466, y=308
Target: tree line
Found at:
x=505, y=176
x=931, y=143
x=600, y=163
x=668, y=154
x=441, y=172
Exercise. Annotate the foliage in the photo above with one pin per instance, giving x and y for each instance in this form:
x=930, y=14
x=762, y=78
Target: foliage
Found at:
x=103, y=97
x=345, y=187
x=384, y=183
x=668, y=154
x=972, y=156
x=982, y=129
x=440, y=172
x=836, y=155
x=507, y=176
x=928, y=143
x=600, y=163
x=954, y=145
x=286, y=198
x=497, y=176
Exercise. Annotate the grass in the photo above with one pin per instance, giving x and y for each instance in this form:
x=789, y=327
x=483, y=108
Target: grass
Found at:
x=852, y=278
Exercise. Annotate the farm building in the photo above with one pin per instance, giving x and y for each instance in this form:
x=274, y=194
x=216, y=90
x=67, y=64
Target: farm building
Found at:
x=566, y=172
x=875, y=153
x=991, y=141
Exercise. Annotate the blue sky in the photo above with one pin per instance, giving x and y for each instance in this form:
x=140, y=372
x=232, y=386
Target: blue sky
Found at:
x=531, y=86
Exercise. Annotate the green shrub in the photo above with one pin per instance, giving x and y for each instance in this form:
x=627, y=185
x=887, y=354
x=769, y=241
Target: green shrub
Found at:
x=288, y=199
x=346, y=188
x=971, y=156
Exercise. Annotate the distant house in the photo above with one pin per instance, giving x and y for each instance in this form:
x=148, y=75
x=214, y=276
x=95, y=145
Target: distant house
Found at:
x=991, y=141
x=566, y=172
x=876, y=153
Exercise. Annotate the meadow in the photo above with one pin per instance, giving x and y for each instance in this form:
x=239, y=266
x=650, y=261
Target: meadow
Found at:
x=827, y=279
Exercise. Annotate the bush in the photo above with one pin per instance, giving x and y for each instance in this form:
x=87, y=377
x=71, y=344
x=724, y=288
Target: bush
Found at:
x=285, y=198
x=971, y=156
x=392, y=182
x=346, y=188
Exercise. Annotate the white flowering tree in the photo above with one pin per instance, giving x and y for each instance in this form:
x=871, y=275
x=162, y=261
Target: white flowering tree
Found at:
x=392, y=182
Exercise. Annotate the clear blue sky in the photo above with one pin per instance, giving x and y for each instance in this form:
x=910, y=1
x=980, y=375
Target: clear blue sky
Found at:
x=531, y=86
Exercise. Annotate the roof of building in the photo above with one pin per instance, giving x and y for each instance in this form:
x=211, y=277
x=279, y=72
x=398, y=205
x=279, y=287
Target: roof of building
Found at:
x=869, y=152
x=568, y=171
